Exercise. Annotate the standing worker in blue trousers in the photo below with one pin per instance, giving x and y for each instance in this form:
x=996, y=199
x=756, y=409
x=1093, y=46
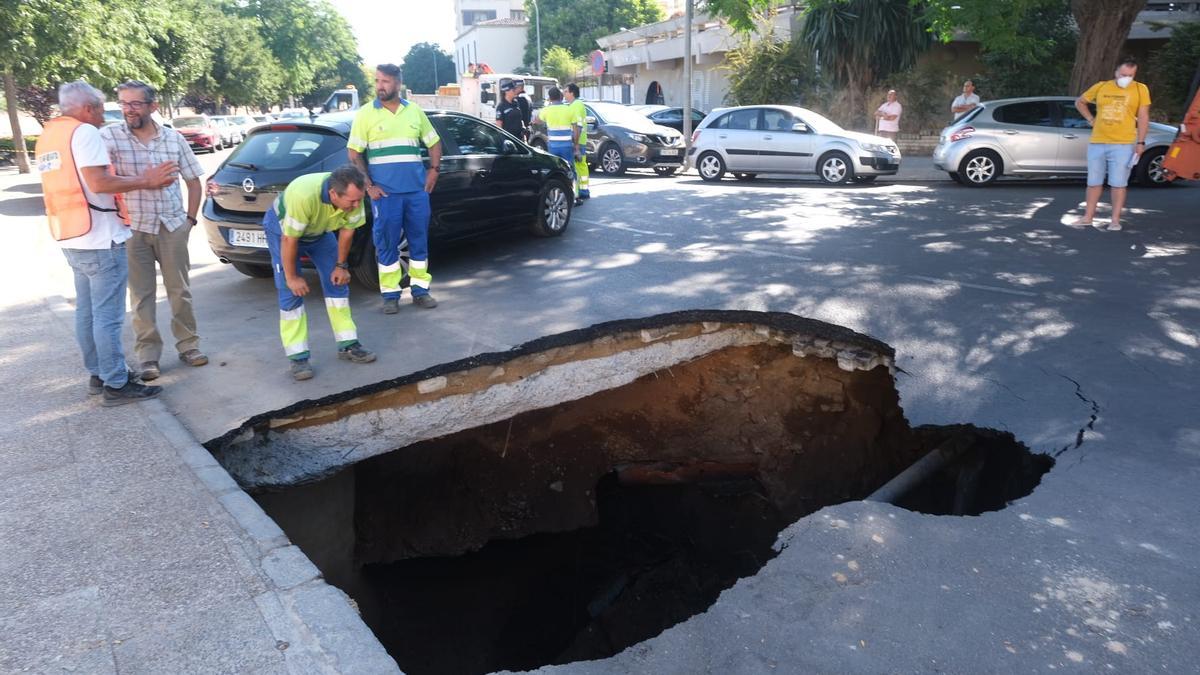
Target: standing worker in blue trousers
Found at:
x=562, y=133
x=385, y=143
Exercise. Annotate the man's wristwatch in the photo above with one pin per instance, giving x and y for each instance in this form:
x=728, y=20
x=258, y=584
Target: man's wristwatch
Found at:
x=342, y=266
x=191, y=220
x=1140, y=143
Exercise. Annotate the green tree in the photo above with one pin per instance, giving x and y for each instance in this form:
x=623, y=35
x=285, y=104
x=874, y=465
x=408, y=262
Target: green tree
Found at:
x=858, y=42
x=560, y=64
x=1103, y=27
x=575, y=24
x=426, y=67
x=1172, y=68
x=309, y=39
x=46, y=42
x=244, y=72
x=768, y=70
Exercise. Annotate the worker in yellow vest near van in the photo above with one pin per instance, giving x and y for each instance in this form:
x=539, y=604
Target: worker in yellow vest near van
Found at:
x=571, y=96
x=86, y=221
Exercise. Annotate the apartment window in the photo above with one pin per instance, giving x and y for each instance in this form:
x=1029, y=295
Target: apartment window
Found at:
x=518, y=14
x=470, y=17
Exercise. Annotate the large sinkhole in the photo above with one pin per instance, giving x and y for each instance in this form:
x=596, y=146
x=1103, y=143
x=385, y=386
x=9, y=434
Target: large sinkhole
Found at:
x=583, y=492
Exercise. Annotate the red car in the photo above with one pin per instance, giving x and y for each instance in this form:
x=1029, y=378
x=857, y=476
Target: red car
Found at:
x=200, y=131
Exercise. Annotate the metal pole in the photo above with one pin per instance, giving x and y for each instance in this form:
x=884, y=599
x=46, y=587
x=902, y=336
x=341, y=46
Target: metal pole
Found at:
x=537, y=20
x=687, y=75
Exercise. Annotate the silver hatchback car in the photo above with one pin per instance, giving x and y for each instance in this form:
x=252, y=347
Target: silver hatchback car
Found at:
x=1033, y=137
x=749, y=140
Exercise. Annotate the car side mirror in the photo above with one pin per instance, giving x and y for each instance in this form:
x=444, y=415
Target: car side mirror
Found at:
x=591, y=121
x=800, y=127
x=508, y=147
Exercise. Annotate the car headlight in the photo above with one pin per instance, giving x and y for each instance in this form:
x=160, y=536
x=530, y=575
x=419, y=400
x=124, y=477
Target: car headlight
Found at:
x=639, y=138
x=873, y=147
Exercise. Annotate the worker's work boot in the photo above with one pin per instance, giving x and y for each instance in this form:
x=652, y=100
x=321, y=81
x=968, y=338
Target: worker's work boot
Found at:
x=356, y=353
x=391, y=305
x=301, y=370
x=424, y=301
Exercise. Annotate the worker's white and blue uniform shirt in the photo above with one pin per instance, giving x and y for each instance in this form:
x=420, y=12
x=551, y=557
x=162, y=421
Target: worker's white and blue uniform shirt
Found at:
x=304, y=212
x=390, y=142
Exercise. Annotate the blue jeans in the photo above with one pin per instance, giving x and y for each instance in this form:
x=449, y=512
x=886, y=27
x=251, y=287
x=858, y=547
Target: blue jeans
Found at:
x=100, y=279
x=1110, y=158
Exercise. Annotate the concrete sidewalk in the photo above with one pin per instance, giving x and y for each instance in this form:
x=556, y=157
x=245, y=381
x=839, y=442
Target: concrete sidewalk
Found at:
x=126, y=548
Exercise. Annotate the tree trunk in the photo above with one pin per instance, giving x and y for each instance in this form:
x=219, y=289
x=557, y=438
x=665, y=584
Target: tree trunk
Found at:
x=1103, y=28
x=14, y=118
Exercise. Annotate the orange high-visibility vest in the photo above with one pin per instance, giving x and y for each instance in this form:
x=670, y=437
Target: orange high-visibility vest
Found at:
x=67, y=207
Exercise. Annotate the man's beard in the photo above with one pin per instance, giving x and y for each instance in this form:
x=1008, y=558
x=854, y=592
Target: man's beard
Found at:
x=135, y=123
x=390, y=96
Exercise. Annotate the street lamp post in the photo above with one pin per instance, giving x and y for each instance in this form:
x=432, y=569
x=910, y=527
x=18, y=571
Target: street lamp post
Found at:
x=537, y=22
x=687, y=74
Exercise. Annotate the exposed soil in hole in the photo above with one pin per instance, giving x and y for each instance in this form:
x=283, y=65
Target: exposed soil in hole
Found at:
x=574, y=530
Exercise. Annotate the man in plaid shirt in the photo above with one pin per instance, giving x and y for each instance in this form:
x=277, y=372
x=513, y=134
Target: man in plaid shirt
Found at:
x=160, y=223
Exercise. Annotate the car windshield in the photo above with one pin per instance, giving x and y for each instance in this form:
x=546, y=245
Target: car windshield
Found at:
x=819, y=123
x=286, y=150
x=619, y=114
x=189, y=121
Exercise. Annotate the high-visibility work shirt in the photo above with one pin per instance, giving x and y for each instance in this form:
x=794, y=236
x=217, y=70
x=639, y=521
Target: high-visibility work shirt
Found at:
x=1116, y=110
x=305, y=211
x=391, y=143
x=558, y=118
x=580, y=119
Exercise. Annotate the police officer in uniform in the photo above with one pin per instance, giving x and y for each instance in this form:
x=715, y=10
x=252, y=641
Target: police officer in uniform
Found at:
x=526, y=107
x=508, y=112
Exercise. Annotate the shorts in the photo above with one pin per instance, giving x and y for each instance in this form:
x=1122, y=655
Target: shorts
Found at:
x=1111, y=157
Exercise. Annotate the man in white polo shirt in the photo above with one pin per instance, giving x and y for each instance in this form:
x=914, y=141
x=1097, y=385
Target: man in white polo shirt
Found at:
x=78, y=189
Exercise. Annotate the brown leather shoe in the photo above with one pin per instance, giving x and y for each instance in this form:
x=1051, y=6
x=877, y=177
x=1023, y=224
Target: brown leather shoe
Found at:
x=149, y=371
x=193, y=357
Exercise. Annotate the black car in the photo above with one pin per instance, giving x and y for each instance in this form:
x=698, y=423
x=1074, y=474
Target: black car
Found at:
x=670, y=117
x=489, y=182
x=620, y=138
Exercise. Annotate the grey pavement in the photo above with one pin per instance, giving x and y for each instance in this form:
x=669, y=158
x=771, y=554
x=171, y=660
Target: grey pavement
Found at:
x=1000, y=314
x=126, y=548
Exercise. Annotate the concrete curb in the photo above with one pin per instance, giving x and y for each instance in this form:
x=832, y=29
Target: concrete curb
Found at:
x=316, y=626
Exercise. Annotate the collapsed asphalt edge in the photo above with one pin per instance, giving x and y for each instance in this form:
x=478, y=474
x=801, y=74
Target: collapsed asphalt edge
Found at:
x=778, y=320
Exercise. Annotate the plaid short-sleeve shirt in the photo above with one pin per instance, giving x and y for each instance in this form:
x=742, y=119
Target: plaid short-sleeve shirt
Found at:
x=151, y=209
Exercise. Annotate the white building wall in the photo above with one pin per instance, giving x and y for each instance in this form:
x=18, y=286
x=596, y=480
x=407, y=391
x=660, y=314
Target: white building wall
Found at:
x=501, y=47
x=504, y=9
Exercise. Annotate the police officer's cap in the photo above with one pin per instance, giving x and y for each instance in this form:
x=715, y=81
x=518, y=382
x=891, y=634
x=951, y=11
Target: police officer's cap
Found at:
x=507, y=86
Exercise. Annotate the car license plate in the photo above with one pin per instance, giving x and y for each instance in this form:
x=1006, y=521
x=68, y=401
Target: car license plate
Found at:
x=252, y=238
x=669, y=153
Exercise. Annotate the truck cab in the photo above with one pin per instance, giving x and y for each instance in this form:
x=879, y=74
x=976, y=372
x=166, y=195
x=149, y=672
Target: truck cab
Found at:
x=480, y=94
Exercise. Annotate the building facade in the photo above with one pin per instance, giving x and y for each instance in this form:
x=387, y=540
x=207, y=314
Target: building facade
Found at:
x=491, y=32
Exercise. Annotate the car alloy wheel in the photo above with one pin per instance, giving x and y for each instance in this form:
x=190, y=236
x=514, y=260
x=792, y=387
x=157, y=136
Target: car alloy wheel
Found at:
x=611, y=160
x=710, y=166
x=1154, y=173
x=835, y=169
x=979, y=168
x=556, y=208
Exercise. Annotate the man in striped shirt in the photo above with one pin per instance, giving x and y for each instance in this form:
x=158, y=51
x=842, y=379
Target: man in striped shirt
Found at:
x=385, y=143
x=161, y=225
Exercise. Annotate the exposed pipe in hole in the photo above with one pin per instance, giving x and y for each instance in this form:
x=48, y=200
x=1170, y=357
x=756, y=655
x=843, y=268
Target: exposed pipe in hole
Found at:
x=920, y=471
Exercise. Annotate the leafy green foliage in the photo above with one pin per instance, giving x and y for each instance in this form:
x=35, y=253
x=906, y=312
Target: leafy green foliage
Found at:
x=1172, y=68
x=767, y=70
x=861, y=41
x=426, y=67
x=560, y=64
x=1027, y=47
x=744, y=16
x=575, y=24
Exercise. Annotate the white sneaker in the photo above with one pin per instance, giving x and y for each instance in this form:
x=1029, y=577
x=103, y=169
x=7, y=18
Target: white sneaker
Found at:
x=1114, y=227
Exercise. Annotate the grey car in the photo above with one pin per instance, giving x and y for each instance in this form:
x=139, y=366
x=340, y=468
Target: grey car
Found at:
x=778, y=139
x=621, y=138
x=1033, y=137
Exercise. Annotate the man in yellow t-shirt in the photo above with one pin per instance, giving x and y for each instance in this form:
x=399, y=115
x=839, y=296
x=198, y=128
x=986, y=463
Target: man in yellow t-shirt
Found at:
x=1122, y=115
